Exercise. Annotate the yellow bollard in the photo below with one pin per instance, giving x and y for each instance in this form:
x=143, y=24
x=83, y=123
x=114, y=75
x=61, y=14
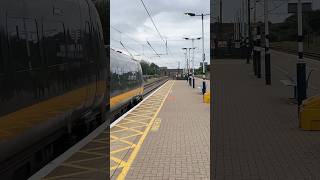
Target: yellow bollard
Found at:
x=206, y=97
x=309, y=115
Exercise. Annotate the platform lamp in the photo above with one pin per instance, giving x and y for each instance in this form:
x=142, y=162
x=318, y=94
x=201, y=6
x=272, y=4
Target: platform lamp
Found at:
x=203, y=54
x=192, y=39
x=187, y=65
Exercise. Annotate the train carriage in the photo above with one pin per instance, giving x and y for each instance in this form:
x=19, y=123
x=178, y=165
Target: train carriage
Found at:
x=53, y=71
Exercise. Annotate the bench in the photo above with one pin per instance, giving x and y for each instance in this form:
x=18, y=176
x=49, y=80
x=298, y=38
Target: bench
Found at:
x=289, y=82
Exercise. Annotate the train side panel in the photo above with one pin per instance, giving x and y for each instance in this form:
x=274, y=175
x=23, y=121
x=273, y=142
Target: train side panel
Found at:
x=126, y=80
x=52, y=79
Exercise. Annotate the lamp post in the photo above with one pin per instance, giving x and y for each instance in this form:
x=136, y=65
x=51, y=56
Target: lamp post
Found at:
x=267, y=44
x=301, y=65
x=192, y=39
x=188, y=62
x=203, y=54
x=186, y=58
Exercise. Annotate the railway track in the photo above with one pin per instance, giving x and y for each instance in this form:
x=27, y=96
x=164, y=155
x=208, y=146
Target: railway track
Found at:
x=309, y=54
x=149, y=87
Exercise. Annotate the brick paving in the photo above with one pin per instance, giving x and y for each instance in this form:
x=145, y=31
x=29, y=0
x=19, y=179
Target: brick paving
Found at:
x=179, y=147
x=255, y=128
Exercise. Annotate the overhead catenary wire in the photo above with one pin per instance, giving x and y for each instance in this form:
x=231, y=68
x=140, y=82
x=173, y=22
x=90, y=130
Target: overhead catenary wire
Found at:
x=155, y=26
x=145, y=7
x=126, y=50
x=153, y=45
x=153, y=49
x=119, y=31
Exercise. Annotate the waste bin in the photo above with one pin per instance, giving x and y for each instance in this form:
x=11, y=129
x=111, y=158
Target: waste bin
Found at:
x=206, y=97
x=309, y=115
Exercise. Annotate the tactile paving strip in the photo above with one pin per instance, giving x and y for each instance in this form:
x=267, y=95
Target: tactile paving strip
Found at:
x=128, y=135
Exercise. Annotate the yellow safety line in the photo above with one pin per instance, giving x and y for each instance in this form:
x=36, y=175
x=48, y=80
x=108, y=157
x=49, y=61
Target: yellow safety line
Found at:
x=156, y=101
x=83, y=160
x=127, y=142
x=117, y=160
x=102, y=141
x=116, y=167
x=133, y=155
x=124, y=141
x=92, y=153
x=120, y=163
x=139, y=115
x=145, y=124
x=66, y=175
x=124, y=123
x=83, y=168
x=153, y=103
x=145, y=110
x=143, y=106
x=131, y=128
x=118, y=131
x=125, y=137
x=138, y=119
x=97, y=148
x=122, y=149
x=130, y=122
x=137, y=131
x=133, y=135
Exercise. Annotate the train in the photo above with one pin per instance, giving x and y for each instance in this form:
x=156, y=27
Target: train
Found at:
x=58, y=80
x=126, y=83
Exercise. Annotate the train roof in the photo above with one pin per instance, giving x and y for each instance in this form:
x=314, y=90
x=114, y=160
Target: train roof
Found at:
x=120, y=53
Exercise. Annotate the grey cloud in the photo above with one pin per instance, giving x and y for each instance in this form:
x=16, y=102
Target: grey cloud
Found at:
x=130, y=17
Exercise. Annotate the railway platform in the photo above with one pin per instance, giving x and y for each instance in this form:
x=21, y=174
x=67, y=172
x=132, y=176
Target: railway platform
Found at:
x=85, y=160
x=165, y=137
x=255, y=127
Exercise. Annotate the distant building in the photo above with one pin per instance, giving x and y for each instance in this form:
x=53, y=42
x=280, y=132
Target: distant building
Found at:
x=173, y=72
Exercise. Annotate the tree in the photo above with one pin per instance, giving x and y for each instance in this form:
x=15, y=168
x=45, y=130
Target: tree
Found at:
x=149, y=69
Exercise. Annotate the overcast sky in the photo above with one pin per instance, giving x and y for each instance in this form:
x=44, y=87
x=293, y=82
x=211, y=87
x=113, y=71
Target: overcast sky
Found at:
x=130, y=17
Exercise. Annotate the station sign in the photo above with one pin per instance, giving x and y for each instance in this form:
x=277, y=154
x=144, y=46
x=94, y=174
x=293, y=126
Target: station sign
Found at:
x=293, y=7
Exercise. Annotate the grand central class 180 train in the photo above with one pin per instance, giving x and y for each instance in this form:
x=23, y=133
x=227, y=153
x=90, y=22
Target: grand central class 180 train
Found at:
x=53, y=71
x=54, y=80
x=126, y=83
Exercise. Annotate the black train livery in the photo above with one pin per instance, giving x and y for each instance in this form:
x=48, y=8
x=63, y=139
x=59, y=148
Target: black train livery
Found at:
x=53, y=71
x=54, y=80
x=126, y=83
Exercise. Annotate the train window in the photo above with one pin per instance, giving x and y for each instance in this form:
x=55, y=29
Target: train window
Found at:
x=18, y=42
x=24, y=43
x=33, y=43
x=54, y=42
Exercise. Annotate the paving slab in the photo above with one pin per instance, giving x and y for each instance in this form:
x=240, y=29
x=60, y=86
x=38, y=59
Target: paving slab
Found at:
x=255, y=128
x=177, y=146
